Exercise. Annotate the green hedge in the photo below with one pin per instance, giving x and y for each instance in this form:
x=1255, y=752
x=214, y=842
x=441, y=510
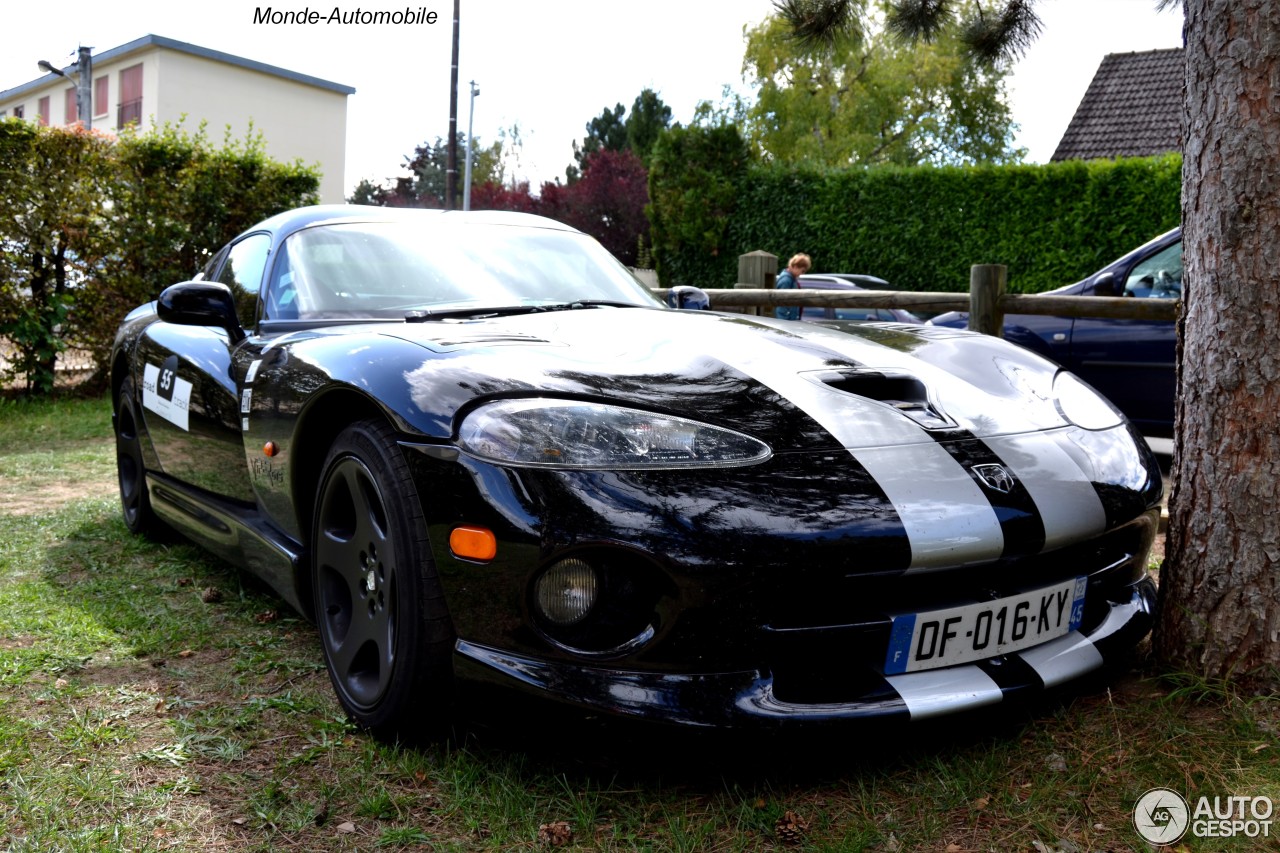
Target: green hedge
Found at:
x=91, y=226
x=919, y=228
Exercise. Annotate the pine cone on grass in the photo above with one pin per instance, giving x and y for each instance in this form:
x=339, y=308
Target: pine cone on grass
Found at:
x=791, y=828
x=556, y=834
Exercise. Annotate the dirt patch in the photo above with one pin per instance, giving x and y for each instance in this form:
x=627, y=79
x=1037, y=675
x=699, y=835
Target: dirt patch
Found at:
x=52, y=496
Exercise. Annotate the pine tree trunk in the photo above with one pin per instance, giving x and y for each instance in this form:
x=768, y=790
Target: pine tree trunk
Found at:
x=1219, y=587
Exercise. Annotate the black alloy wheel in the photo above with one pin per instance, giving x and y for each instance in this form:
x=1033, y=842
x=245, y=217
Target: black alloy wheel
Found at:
x=386, y=635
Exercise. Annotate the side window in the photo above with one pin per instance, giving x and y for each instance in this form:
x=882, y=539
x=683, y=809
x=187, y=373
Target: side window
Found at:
x=207, y=271
x=243, y=274
x=1157, y=277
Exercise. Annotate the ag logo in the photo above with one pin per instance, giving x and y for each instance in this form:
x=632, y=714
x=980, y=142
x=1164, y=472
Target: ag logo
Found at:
x=168, y=378
x=1161, y=816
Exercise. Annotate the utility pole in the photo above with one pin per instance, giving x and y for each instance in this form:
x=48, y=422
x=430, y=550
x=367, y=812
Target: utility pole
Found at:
x=83, y=81
x=451, y=171
x=84, y=87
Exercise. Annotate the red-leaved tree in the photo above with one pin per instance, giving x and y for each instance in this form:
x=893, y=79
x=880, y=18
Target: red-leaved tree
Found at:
x=491, y=196
x=607, y=202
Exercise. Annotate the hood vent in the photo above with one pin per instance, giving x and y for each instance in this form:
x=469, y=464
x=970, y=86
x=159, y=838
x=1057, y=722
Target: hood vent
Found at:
x=900, y=391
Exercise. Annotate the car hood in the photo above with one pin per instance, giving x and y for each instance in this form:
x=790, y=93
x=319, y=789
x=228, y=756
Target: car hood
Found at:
x=794, y=385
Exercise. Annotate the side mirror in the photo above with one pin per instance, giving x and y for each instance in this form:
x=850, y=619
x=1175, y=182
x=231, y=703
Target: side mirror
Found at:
x=200, y=303
x=1105, y=284
x=688, y=297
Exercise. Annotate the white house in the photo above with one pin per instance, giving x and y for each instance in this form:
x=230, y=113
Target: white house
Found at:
x=154, y=80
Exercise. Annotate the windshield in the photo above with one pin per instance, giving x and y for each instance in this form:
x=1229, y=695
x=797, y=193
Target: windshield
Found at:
x=385, y=270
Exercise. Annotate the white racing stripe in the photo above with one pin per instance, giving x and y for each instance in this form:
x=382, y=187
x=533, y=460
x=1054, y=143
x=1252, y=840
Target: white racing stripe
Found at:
x=1067, y=502
x=945, y=691
x=947, y=517
x=1063, y=659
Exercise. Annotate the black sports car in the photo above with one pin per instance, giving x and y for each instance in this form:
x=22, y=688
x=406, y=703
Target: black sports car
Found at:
x=472, y=447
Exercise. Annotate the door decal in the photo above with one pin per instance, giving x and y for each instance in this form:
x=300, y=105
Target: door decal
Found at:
x=166, y=393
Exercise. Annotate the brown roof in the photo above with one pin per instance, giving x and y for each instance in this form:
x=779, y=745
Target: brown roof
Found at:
x=1133, y=108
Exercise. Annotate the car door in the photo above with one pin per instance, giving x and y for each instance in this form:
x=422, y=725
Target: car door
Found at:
x=1132, y=361
x=190, y=399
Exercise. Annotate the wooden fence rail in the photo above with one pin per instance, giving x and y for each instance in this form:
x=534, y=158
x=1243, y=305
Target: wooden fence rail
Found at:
x=986, y=299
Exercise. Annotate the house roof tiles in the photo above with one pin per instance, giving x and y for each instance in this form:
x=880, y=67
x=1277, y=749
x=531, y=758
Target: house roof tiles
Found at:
x=1132, y=108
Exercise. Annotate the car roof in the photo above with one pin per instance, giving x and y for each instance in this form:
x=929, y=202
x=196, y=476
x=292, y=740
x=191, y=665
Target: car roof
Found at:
x=324, y=214
x=843, y=281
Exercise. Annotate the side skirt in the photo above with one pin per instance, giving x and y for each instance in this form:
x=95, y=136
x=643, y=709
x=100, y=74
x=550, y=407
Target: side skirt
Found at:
x=235, y=532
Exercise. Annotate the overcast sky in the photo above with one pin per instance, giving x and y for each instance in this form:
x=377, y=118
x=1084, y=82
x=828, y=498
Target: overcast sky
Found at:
x=548, y=66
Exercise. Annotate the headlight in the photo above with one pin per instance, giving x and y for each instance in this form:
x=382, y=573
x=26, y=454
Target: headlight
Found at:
x=552, y=433
x=1081, y=405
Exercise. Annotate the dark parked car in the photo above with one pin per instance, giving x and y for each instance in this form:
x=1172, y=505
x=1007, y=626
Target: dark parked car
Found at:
x=473, y=448
x=1130, y=361
x=850, y=281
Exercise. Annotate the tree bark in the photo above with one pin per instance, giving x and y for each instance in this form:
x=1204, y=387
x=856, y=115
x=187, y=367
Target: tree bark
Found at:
x=1219, y=596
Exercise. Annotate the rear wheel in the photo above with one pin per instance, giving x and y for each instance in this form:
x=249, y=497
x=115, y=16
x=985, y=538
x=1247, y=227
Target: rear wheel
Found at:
x=384, y=629
x=131, y=469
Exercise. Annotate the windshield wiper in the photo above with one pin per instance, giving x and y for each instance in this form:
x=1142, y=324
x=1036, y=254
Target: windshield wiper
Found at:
x=475, y=312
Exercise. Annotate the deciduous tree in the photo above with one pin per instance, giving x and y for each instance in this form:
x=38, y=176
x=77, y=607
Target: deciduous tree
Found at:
x=868, y=97
x=608, y=202
x=52, y=183
x=428, y=168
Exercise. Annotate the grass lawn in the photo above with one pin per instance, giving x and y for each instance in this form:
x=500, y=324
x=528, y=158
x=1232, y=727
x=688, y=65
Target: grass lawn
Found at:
x=154, y=698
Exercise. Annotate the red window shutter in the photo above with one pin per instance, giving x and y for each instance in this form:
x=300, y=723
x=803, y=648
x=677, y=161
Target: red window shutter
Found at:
x=100, y=96
x=130, y=96
x=42, y=111
x=70, y=115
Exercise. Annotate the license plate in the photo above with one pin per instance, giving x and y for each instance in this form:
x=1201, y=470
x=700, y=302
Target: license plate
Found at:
x=984, y=630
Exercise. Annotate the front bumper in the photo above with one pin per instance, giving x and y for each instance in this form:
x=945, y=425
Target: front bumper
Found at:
x=748, y=699
x=764, y=596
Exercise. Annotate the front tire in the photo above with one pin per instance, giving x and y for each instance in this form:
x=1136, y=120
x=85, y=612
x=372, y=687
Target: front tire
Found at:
x=385, y=632
x=131, y=468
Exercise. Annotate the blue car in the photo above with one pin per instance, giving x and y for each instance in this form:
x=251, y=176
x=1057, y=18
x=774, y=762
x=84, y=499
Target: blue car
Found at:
x=1130, y=361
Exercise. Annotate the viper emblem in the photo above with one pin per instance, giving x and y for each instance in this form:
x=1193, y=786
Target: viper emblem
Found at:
x=995, y=477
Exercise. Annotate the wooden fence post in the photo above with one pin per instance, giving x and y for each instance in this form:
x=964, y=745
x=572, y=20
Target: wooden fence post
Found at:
x=987, y=283
x=758, y=269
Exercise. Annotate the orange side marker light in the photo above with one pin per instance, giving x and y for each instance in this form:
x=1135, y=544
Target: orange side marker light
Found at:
x=270, y=449
x=473, y=543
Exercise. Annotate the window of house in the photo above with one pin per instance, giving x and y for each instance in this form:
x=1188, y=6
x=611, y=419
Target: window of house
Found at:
x=130, y=110
x=18, y=112
x=70, y=115
x=100, y=96
x=42, y=111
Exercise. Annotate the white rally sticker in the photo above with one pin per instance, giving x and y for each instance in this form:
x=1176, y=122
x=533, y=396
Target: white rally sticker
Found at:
x=166, y=393
x=253, y=371
x=246, y=401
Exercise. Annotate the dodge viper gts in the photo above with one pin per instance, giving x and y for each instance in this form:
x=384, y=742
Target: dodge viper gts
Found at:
x=474, y=449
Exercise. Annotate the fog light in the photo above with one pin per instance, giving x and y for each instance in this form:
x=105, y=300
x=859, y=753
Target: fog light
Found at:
x=566, y=592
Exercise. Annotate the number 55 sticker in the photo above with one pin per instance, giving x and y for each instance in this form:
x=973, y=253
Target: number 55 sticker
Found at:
x=165, y=392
